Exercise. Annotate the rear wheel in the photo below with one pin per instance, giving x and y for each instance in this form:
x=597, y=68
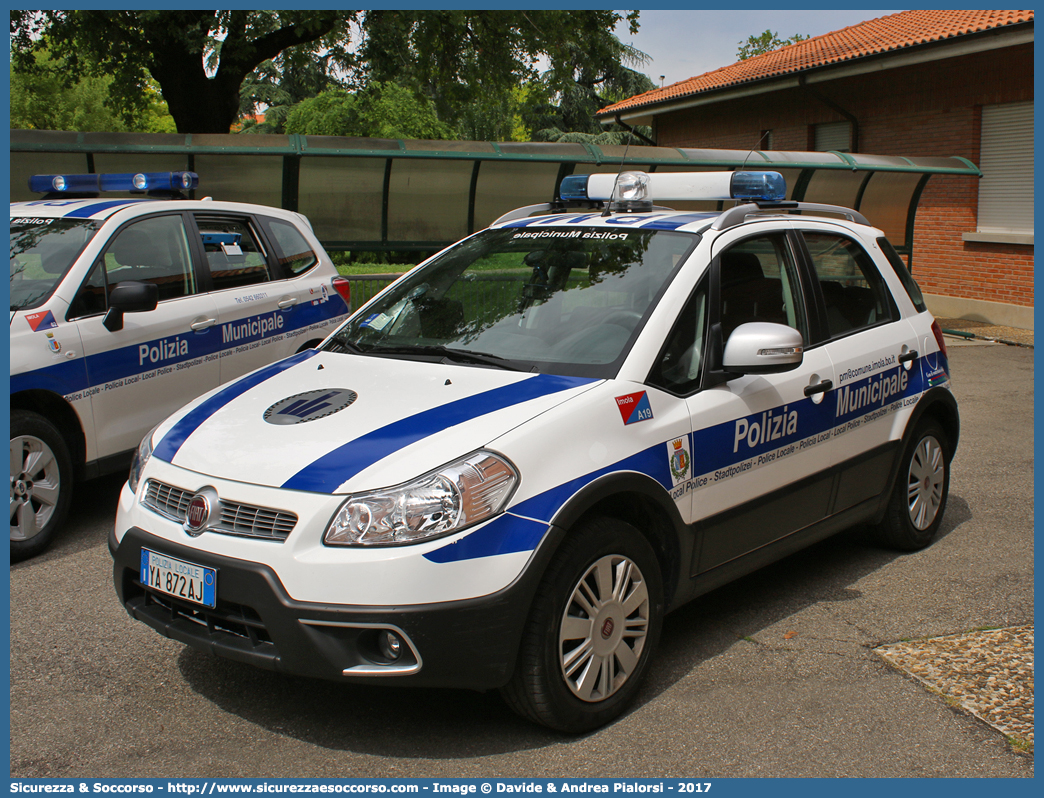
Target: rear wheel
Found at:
x=594, y=623
x=918, y=499
x=41, y=483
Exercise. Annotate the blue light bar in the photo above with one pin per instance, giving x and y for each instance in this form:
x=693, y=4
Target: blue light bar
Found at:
x=93, y=183
x=658, y=186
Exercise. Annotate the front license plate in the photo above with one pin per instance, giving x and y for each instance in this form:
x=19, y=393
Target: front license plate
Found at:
x=183, y=580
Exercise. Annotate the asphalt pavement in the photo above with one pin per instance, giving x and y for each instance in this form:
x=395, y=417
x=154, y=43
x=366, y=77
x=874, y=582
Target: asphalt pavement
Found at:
x=771, y=676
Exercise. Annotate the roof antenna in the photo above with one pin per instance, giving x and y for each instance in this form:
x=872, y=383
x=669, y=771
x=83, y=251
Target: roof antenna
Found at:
x=623, y=161
x=756, y=146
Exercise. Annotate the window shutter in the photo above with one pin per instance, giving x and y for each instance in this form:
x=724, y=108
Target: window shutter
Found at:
x=1006, y=161
x=835, y=136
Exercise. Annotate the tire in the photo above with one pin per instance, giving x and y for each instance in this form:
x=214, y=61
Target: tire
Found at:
x=41, y=483
x=578, y=628
x=918, y=501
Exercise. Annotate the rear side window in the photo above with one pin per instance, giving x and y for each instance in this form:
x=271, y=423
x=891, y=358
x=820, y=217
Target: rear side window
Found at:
x=295, y=255
x=234, y=255
x=909, y=283
x=854, y=293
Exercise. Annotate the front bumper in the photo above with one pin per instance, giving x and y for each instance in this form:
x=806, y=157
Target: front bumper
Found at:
x=470, y=643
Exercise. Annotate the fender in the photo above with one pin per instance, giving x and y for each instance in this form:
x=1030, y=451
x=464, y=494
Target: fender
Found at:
x=643, y=502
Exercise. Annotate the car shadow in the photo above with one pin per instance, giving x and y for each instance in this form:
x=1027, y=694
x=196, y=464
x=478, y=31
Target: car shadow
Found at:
x=92, y=512
x=424, y=723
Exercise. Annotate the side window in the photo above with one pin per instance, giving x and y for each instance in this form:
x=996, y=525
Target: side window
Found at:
x=759, y=283
x=234, y=254
x=896, y=262
x=854, y=294
x=679, y=367
x=153, y=250
x=295, y=255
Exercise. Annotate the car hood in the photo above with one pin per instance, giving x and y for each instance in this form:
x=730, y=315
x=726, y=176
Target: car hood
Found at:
x=334, y=423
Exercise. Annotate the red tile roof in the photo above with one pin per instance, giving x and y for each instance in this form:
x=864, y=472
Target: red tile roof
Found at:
x=882, y=35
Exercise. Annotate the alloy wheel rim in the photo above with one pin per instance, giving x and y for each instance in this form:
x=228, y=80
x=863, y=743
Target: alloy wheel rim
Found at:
x=925, y=482
x=604, y=628
x=35, y=486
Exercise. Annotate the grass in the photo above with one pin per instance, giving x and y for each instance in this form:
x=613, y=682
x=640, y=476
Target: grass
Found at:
x=348, y=269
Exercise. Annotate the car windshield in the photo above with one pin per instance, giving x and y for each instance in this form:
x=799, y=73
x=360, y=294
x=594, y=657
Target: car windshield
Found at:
x=557, y=300
x=42, y=250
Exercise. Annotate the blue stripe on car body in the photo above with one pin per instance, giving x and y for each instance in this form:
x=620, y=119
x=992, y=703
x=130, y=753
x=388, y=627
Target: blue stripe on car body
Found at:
x=127, y=361
x=168, y=447
x=336, y=467
x=713, y=449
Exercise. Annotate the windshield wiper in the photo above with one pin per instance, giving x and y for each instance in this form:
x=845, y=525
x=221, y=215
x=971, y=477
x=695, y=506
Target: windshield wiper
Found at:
x=451, y=355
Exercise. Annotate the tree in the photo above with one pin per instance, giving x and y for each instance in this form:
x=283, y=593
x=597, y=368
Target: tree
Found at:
x=470, y=63
x=176, y=48
x=41, y=100
x=206, y=63
x=381, y=110
x=765, y=43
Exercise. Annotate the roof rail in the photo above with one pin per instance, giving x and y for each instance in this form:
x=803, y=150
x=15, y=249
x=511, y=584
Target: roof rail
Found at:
x=739, y=214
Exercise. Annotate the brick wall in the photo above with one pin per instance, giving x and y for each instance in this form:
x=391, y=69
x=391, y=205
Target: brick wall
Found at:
x=926, y=110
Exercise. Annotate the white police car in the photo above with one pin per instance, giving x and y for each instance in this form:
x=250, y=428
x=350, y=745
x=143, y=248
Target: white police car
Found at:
x=123, y=309
x=507, y=467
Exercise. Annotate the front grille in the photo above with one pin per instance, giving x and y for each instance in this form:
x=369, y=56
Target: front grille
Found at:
x=233, y=518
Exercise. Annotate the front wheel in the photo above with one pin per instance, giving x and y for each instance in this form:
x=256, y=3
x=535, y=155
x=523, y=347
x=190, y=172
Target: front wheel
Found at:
x=41, y=483
x=595, y=621
x=918, y=500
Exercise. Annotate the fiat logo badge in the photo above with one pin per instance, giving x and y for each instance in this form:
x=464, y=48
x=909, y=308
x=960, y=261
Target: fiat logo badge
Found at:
x=607, y=628
x=197, y=515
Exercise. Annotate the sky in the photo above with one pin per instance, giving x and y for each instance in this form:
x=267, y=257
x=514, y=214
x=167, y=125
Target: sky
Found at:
x=684, y=43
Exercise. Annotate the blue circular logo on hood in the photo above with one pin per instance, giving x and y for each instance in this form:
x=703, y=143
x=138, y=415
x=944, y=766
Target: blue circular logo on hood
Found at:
x=309, y=406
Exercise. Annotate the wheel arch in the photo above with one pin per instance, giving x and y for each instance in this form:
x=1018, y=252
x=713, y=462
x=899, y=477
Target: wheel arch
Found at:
x=939, y=404
x=60, y=413
x=312, y=344
x=643, y=503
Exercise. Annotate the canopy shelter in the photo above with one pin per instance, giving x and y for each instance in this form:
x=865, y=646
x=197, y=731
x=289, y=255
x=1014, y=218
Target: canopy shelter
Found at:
x=381, y=194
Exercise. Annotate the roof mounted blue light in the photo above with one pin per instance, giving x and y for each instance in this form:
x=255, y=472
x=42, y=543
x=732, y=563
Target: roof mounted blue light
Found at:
x=65, y=184
x=765, y=186
x=134, y=183
x=573, y=188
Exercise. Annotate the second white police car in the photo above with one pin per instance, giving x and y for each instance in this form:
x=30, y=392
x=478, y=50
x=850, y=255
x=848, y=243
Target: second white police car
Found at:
x=124, y=308
x=506, y=468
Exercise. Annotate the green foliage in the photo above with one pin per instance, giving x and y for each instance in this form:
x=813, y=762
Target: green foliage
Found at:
x=381, y=110
x=43, y=99
x=479, y=70
x=471, y=64
x=765, y=43
x=199, y=58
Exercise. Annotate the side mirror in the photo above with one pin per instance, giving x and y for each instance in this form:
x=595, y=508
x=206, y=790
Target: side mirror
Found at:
x=130, y=296
x=760, y=347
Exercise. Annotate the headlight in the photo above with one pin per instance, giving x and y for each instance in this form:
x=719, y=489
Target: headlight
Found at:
x=455, y=496
x=141, y=457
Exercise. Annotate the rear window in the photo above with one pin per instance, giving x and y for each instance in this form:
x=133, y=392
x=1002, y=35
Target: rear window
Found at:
x=909, y=283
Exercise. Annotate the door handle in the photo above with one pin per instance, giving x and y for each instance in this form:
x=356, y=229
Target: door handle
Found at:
x=202, y=323
x=819, y=387
x=907, y=357
x=286, y=302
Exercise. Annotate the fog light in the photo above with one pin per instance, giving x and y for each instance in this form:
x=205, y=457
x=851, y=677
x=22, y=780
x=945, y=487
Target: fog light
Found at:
x=390, y=645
